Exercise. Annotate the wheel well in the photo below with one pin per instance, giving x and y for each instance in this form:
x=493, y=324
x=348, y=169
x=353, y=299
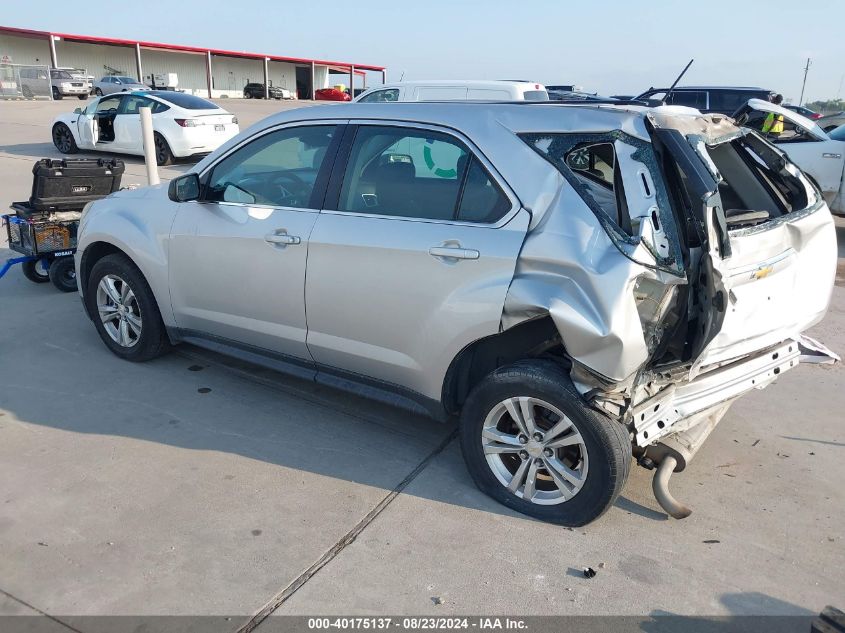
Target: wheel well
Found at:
x=533, y=339
x=94, y=253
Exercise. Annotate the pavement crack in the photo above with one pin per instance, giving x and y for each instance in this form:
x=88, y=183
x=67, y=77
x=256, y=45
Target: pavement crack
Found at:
x=280, y=598
x=39, y=611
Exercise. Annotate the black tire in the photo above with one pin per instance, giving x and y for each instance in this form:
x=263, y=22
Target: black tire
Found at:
x=63, y=274
x=27, y=92
x=83, y=97
x=63, y=139
x=98, y=92
x=57, y=96
x=163, y=154
x=32, y=271
x=247, y=95
x=153, y=340
x=608, y=444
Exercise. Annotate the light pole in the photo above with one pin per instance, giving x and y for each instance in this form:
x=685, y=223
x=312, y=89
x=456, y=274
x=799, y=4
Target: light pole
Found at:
x=806, y=70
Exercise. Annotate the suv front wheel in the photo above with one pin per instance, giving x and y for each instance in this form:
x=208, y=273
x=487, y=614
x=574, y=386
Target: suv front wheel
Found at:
x=124, y=310
x=531, y=443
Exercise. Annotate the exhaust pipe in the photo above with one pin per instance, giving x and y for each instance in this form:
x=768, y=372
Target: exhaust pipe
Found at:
x=660, y=486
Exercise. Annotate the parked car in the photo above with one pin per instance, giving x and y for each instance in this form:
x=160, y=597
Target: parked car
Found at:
x=256, y=91
x=819, y=154
x=64, y=85
x=456, y=90
x=115, y=83
x=722, y=99
x=81, y=74
x=805, y=112
x=35, y=82
x=486, y=260
x=331, y=94
x=184, y=125
x=831, y=121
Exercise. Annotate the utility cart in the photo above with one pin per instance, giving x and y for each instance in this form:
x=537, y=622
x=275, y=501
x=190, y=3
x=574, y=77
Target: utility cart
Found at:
x=43, y=230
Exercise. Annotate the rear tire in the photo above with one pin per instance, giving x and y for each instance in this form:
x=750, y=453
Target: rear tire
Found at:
x=63, y=274
x=164, y=156
x=83, y=97
x=575, y=474
x=35, y=272
x=98, y=92
x=27, y=92
x=139, y=306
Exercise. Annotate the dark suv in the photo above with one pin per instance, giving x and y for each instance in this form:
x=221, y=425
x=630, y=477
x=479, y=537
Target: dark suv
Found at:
x=723, y=99
x=256, y=91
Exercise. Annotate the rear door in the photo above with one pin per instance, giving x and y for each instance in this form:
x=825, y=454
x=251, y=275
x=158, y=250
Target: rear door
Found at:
x=412, y=257
x=237, y=260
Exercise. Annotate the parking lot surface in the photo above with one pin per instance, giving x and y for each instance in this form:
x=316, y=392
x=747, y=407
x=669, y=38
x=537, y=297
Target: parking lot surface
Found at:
x=196, y=485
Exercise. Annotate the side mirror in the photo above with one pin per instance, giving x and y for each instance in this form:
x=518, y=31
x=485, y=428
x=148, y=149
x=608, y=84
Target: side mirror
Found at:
x=77, y=110
x=184, y=188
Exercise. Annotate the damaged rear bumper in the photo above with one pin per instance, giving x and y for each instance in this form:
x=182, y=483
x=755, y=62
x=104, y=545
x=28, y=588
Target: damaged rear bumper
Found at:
x=679, y=407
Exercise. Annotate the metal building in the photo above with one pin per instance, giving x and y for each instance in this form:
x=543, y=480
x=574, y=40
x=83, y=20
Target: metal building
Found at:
x=206, y=72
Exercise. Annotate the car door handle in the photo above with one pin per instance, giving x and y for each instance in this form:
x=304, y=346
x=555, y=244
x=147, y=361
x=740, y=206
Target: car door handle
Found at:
x=452, y=252
x=831, y=155
x=282, y=238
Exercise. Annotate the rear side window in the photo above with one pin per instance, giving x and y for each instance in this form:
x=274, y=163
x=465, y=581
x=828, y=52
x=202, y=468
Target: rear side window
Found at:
x=182, y=100
x=382, y=96
x=422, y=174
x=690, y=98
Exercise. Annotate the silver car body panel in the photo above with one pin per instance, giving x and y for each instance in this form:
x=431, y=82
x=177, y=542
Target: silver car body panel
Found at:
x=402, y=317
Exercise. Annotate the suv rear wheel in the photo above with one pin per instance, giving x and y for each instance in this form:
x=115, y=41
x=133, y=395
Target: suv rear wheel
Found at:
x=531, y=443
x=124, y=309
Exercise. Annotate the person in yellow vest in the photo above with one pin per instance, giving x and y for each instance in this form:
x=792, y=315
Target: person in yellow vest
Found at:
x=774, y=122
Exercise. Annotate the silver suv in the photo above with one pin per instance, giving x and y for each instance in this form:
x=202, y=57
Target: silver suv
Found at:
x=576, y=282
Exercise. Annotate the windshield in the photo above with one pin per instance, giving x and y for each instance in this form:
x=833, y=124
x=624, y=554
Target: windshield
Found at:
x=838, y=134
x=182, y=100
x=60, y=74
x=535, y=95
x=127, y=80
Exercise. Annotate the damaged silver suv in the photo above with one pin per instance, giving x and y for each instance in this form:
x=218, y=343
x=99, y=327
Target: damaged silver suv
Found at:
x=579, y=283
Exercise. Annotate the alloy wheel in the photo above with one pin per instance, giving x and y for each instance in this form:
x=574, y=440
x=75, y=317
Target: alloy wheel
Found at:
x=62, y=139
x=119, y=311
x=534, y=450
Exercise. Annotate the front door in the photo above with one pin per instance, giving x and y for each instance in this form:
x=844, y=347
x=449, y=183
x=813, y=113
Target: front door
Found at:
x=412, y=259
x=237, y=269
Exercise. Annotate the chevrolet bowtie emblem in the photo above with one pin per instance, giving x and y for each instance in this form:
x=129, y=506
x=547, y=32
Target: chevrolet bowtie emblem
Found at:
x=761, y=272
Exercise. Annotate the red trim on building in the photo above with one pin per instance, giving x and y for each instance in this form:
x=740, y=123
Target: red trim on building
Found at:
x=90, y=39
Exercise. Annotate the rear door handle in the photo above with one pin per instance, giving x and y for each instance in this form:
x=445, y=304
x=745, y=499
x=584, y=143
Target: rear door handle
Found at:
x=453, y=252
x=282, y=238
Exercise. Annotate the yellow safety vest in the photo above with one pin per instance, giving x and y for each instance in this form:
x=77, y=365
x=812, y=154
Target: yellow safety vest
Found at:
x=773, y=124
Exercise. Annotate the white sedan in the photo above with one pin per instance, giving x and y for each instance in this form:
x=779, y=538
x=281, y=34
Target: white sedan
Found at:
x=821, y=155
x=183, y=125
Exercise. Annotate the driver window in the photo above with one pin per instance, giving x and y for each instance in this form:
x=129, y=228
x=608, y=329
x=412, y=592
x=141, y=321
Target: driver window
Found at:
x=279, y=169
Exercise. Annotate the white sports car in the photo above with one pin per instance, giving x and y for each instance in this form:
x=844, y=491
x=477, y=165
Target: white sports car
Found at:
x=184, y=125
x=820, y=154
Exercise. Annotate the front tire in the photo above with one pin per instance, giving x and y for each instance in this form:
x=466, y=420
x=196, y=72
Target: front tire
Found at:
x=531, y=443
x=56, y=94
x=27, y=92
x=124, y=310
x=83, y=97
x=63, y=274
x=63, y=139
x=98, y=92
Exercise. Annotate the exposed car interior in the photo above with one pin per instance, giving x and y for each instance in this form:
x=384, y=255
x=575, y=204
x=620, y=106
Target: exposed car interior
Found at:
x=105, y=112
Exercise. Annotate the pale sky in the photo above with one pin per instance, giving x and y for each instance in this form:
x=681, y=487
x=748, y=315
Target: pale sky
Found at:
x=613, y=47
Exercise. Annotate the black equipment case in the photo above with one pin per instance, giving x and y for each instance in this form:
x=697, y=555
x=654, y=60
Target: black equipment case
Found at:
x=69, y=184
